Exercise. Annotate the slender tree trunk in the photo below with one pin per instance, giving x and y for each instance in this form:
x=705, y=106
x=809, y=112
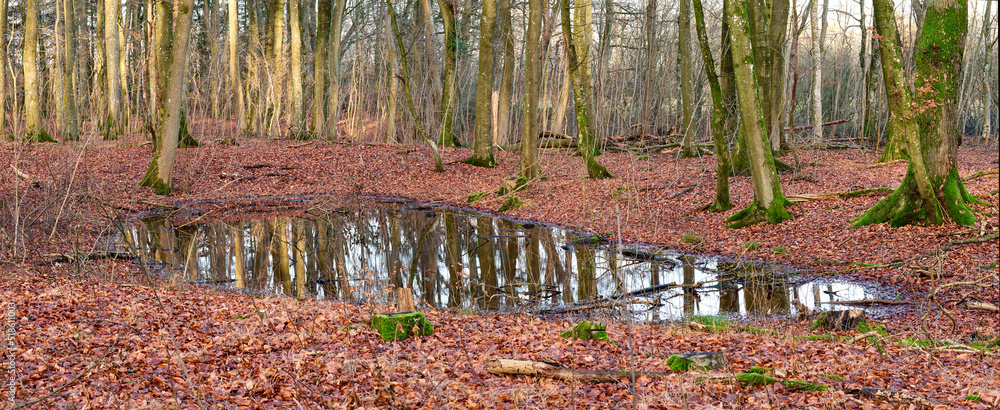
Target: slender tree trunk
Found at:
x=987, y=63
x=112, y=126
x=71, y=117
x=507, y=74
x=769, y=203
x=932, y=191
x=393, y=85
x=447, y=113
x=295, y=27
x=817, y=58
x=559, y=121
x=688, y=148
x=175, y=42
x=33, y=110
x=320, y=71
x=580, y=77
x=530, y=169
x=482, y=154
x=719, y=116
x=647, y=91
x=3, y=68
x=333, y=75
x=235, y=86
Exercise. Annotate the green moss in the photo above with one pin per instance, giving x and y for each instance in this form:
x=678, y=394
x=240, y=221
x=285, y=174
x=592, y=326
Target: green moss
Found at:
x=678, y=363
x=974, y=397
x=755, y=379
x=588, y=330
x=781, y=250
x=832, y=377
x=692, y=238
x=487, y=162
x=798, y=385
x=477, y=196
x=399, y=326
x=751, y=246
x=755, y=214
x=510, y=203
x=759, y=331
x=760, y=370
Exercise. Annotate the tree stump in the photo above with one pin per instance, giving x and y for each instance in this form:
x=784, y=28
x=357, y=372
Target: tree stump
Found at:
x=840, y=319
x=404, y=300
x=700, y=361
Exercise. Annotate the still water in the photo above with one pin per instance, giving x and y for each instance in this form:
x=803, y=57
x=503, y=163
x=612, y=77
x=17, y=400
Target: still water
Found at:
x=453, y=259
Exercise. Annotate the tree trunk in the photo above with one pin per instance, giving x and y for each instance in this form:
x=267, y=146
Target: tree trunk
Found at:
x=932, y=191
x=719, y=116
x=71, y=117
x=580, y=78
x=393, y=86
x=333, y=76
x=987, y=62
x=33, y=110
x=482, y=155
x=769, y=203
x=319, y=65
x=447, y=113
x=530, y=169
x=235, y=86
x=158, y=176
x=507, y=74
x=3, y=68
x=817, y=58
x=277, y=66
x=112, y=126
x=295, y=27
x=688, y=148
x=647, y=91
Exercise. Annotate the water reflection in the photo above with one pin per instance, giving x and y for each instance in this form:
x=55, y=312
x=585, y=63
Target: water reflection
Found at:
x=454, y=259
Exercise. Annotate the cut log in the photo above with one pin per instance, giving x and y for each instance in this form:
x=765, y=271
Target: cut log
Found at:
x=840, y=319
x=558, y=372
x=404, y=300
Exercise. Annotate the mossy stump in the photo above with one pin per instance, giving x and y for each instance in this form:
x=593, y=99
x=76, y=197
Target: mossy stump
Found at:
x=699, y=361
x=587, y=330
x=400, y=326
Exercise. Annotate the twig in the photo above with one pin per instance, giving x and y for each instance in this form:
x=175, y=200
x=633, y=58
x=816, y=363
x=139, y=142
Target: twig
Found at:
x=980, y=174
x=63, y=387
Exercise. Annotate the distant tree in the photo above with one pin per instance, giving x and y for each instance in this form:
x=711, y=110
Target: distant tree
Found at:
x=932, y=191
x=449, y=86
x=112, y=124
x=173, y=41
x=688, y=148
x=530, y=168
x=71, y=116
x=769, y=203
x=319, y=65
x=333, y=67
x=33, y=124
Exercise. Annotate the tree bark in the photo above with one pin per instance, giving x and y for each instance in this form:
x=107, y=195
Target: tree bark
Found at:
x=295, y=29
x=449, y=86
x=333, y=64
x=530, y=169
x=482, y=154
x=319, y=67
x=175, y=41
x=112, y=126
x=932, y=191
x=277, y=66
x=580, y=78
x=769, y=203
x=688, y=148
x=3, y=67
x=34, y=129
x=650, y=63
x=235, y=86
x=719, y=116
x=505, y=107
x=71, y=117
x=817, y=58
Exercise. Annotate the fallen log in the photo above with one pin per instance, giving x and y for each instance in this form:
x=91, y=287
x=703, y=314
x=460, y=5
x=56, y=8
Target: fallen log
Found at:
x=892, y=396
x=599, y=305
x=982, y=306
x=834, y=195
x=70, y=257
x=868, y=302
x=558, y=372
x=825, y=124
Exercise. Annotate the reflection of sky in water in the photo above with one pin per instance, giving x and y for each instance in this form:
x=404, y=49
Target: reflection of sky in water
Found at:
x=444, y=257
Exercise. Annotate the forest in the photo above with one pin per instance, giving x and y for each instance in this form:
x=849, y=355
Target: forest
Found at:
x=511, y=204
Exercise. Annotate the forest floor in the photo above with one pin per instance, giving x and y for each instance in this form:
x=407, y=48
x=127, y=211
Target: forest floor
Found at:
x=100, y=335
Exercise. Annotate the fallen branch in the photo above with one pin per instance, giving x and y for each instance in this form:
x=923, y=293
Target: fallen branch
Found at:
x=868, y=302
x=70, y=258
x=834, y=195
x=982, y=306
x=299, y=145
x=980, y=174
x=558, y=372
x=601, y=305
x=892, y=396
x=825, y=124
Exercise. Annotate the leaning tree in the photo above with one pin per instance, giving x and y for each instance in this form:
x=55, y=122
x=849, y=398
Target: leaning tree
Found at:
x=932, y=192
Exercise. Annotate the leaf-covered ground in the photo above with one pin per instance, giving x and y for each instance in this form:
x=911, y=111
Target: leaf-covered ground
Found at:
x=98, y=335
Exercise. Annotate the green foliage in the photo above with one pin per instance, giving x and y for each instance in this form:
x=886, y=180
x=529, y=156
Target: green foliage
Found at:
x=510, y=203
x=713, y=323
x=477, y=196
x=973, y=397
x=692, y=238
x=759, y=331
x=781, y=250
x=587, y=330
x=399, y=326
x=751, y=246
x=832, y=377
x=623, y=192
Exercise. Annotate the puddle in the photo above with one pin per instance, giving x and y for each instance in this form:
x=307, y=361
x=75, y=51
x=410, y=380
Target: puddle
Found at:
x=458, y=260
